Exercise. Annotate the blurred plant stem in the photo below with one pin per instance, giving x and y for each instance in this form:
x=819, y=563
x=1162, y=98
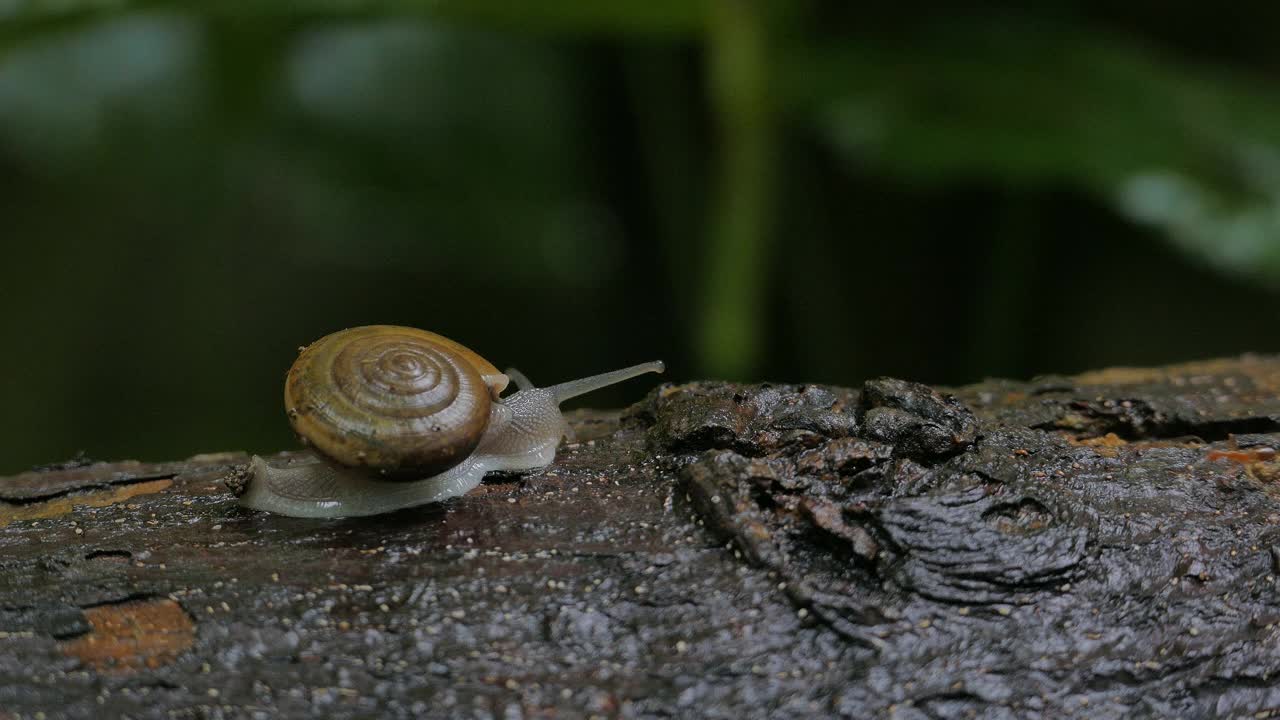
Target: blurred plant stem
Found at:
x=728, y=342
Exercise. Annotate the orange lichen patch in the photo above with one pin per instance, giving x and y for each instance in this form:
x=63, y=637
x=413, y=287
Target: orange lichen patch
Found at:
x=1109, y=440
x=1263, y=373
x=1123, y=376
x=1244, y=457
x=1073, y=421
x=133, y=635
x=62, y=505
x=1267, y=472
x=1105, y=445
x=1261, y=463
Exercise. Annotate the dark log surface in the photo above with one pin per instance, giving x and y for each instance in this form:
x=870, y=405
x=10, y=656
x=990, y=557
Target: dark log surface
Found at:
x=1096, y=546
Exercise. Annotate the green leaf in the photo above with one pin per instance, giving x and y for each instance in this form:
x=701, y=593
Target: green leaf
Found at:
x=1191, y=150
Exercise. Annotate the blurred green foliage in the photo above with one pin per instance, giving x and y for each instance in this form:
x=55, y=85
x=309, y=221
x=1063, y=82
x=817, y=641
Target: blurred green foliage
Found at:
x=802, y=191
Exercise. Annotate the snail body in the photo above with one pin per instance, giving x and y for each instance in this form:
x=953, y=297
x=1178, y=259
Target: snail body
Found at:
x=397, y=417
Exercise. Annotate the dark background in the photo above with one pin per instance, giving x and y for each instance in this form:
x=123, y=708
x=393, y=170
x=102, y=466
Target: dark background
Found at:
x=795, y=191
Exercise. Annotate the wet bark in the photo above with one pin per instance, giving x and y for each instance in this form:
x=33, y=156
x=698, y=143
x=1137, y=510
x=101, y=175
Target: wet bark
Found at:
x=1104, y=545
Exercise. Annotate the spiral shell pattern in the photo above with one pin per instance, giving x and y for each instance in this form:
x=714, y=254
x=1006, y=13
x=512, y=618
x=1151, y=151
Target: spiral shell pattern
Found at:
x=398, y=400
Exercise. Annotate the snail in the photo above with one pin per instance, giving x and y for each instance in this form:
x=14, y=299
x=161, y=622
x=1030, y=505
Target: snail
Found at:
x=397, y=417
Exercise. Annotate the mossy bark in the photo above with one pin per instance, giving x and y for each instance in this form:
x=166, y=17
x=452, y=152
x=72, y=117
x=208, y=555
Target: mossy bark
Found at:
x=1096, y=546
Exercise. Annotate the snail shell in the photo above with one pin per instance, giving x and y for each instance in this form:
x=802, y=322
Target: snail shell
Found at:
x=398, y=417
x=402, y=401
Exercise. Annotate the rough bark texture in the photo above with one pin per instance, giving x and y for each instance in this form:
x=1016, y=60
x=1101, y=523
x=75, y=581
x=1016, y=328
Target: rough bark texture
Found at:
x=1096, y=546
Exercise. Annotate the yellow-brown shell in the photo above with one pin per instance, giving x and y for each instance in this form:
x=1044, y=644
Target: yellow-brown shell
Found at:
x=401, y=401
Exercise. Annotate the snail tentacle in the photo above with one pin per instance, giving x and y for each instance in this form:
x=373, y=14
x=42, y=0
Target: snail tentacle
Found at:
x=520, y=379
x=582, y=386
